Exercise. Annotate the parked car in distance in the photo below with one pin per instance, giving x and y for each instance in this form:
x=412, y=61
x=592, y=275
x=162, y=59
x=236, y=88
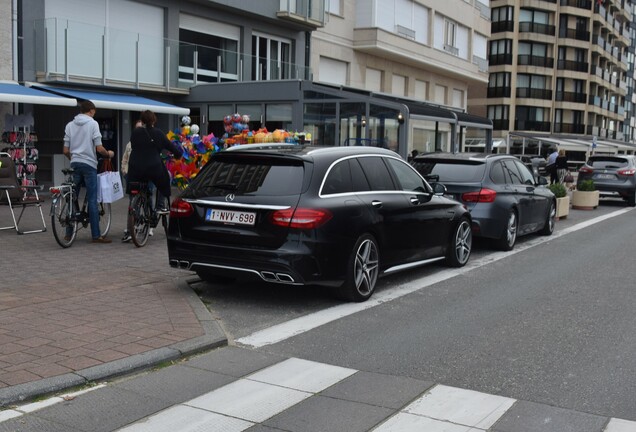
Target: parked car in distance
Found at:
x=334, y=216
x=613, y=175
x=504, y=199
x=536, y=164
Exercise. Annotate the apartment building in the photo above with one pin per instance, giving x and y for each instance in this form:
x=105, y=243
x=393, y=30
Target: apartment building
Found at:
x=561, y=74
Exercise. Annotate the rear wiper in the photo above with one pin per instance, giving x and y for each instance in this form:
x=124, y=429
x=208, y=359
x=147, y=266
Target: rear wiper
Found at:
x=225, y=186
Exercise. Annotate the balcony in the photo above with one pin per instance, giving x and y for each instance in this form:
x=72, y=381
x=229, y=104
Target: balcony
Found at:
x=574, y=34
x=563, y=96
x=532, y=125
x=305, y=12
x=534, y=93
x=572, y=65
x=581, y=4
x=530, y=60
x=73, y=52
x=574, y=128
x=500, y=124
x=502, y=26
x=532, y=27
x=499, y=59
x=498, y=92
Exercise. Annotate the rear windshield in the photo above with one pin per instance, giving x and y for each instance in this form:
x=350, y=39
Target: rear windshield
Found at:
x=451, y=171
x=608, y=162
x=249, y=176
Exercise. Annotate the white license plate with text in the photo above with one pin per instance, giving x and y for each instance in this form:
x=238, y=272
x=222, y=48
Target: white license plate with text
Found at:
x=230, y=216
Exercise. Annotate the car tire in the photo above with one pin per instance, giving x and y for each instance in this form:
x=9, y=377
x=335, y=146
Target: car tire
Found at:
x=550, y=221
x=362, y=270
x=631, y=200
x=509, y=236
x=460, y=244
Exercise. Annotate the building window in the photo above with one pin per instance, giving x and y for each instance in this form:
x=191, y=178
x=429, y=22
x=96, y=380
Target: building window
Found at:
x=499, y=114
x=502, y=19
x=271, y=58
x=332, y=71
x=398, y=86
x=421, y=90
x=216, y=57
x=334, y=7
x=440, y=94
x=373, y=80
x=450, y=37
x=458, y=98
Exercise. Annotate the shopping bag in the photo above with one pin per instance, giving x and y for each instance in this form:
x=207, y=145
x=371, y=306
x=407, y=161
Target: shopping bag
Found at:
x=569, y=178
x=109, y=188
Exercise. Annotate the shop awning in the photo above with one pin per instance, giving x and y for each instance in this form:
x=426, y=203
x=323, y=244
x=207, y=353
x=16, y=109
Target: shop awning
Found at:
x=11, y=91
x=116, y=101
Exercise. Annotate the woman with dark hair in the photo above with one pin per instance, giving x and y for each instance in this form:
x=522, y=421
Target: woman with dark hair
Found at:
x=145, y=164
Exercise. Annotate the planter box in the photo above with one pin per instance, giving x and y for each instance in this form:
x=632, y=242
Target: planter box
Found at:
x=562, y=207
x=585, y=200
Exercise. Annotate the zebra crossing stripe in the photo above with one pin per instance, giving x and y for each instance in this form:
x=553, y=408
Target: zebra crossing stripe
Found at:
x=445, y=408
x=247, y=401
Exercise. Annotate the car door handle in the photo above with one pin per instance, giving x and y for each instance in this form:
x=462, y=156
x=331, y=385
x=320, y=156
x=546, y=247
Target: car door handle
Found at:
x=376, y=203
x=415, y=200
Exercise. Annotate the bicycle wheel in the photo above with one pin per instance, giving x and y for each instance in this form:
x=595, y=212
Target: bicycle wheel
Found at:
x=139, y=217
x=104, y=218
x=64, y=227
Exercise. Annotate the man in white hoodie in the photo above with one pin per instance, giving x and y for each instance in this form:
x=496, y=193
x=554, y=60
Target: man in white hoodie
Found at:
x=82, y=142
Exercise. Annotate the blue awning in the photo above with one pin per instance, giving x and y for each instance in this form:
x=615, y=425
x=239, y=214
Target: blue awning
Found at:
x=11, y=91
x=117, y=101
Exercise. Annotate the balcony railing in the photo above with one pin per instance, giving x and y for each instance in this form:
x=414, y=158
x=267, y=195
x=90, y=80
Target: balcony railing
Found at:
x=532, y=27
x=575, y=128
x=530, y=60
x=534, y=93
x=532, y=125
x=581, y=35
x=502, y=26
x=563, y=96
x=581, y=4
x=78, y=52
x=499, y=59
x=573, y=65
x=494, y=92
x=501, y=124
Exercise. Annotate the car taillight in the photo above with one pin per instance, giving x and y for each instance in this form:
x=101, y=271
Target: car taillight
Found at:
x=300, y=218
x=586, y=169
x=483, y=196
x=627, y=172
x=180, y=208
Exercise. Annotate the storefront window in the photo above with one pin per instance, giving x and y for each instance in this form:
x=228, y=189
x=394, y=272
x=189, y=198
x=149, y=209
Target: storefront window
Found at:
x=215, y=118
x=383, y=127
x=278, y=116
x=353, y=123
x=254, y=111
x=320, y=121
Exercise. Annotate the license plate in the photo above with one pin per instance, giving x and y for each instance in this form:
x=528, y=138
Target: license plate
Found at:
x=230, y=216
x=605, y=176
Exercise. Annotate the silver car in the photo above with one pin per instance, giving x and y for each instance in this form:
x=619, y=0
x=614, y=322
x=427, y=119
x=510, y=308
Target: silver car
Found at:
x=612, y=175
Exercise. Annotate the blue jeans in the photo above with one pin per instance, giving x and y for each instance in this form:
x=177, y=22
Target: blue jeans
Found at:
x=86, y=175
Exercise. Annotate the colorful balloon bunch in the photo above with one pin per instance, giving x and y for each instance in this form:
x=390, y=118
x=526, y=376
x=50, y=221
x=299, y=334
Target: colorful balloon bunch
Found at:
x=196, y=153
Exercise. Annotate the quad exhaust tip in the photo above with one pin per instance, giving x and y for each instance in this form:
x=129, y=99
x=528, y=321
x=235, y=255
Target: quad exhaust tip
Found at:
x=276, y=277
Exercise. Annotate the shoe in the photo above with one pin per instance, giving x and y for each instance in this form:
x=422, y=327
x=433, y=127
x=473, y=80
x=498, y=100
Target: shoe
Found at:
x=126, y=238
x=101, y=240
x=162, y=210
x=151, y=232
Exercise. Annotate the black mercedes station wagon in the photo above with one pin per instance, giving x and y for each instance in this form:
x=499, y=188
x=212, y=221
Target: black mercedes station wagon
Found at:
x=306, y=215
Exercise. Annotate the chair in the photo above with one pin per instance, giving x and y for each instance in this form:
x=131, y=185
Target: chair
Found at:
x=15, y=195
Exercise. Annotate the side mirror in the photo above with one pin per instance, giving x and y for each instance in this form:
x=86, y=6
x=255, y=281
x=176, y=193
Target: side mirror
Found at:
x=439, y=189
x=542, y=181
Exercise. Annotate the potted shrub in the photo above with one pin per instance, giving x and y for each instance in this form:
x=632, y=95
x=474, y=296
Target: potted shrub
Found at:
x=585, y=197
x=562, y=200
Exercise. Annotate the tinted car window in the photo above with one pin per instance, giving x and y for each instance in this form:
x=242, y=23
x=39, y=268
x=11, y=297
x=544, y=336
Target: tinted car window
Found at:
x=608, y=162
x=497, y=173
x=513, y=173
x=259, y=176
x=377, y=173
x=358, y=178
x=459, y=171
x=524, y=172
x=409, y=180
x=338, y=179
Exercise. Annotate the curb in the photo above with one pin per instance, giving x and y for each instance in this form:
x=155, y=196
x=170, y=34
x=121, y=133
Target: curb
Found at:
x=214, y=337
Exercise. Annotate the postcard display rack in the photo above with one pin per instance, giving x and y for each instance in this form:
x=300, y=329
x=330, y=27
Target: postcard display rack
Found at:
x=21, y=146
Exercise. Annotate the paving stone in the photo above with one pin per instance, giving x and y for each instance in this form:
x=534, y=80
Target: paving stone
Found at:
x=533, y=417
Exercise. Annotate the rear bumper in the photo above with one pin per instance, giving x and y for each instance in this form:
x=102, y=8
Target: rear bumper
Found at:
x=292, y=264
x=485, y=224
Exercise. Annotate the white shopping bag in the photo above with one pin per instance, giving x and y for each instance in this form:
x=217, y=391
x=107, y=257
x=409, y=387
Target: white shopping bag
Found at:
x=109, y=187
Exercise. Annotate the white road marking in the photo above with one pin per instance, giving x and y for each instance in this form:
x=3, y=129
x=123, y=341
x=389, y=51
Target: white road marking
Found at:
x=294, y=327
x=618, y=425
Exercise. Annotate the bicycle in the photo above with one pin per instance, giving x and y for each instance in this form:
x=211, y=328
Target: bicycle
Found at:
x=141, y=214
x=66, y=213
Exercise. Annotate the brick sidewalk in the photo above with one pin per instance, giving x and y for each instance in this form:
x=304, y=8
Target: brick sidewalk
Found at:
x=68, y=316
